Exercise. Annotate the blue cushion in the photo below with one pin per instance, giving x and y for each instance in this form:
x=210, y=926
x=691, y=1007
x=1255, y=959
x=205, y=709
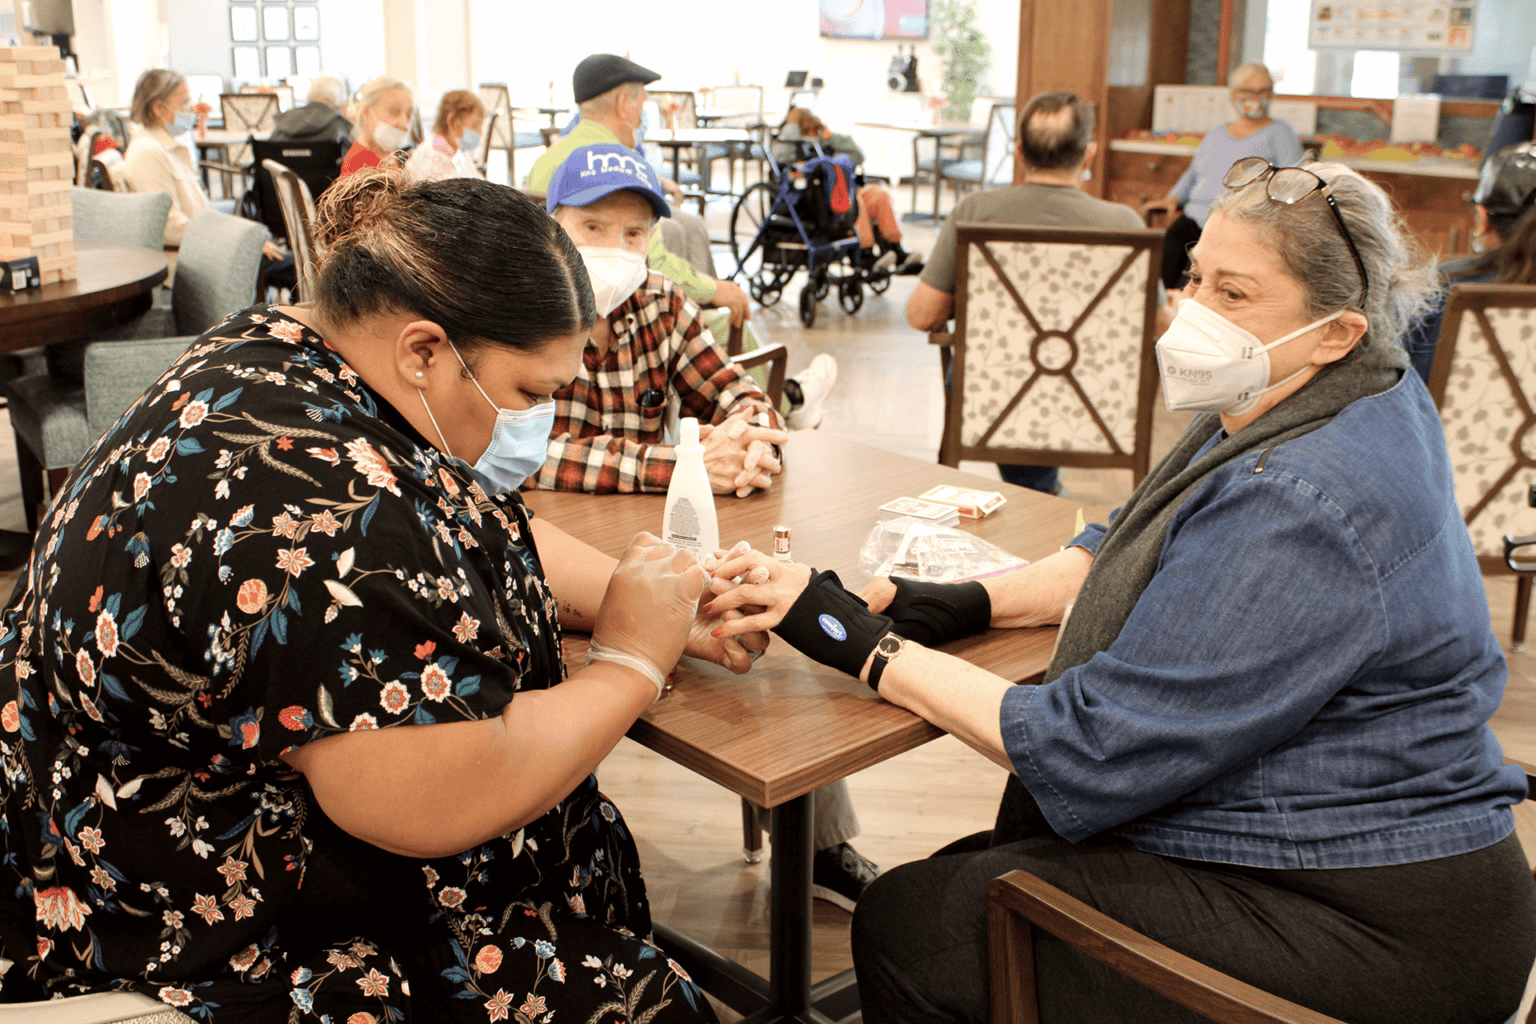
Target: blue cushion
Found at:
x=964, y=170
x=526, y=140
x=50, y=417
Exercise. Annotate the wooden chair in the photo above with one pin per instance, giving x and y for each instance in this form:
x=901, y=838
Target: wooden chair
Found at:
x=1019, y=901
x=1484, y=383
x=253, y=112
x=1051, y=361
x=994, y=168
x=298, y=206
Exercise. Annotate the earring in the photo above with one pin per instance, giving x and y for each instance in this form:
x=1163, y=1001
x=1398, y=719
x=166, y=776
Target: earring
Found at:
x=419, y=375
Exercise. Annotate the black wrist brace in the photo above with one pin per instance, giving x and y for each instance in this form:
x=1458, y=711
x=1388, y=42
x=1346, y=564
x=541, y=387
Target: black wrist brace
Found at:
x=936, y=613
x=830, y=625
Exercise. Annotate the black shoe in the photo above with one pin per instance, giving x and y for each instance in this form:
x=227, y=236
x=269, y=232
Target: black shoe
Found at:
x=840, y=874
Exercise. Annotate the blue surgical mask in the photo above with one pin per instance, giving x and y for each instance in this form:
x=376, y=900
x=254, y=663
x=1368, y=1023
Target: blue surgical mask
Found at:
x=471, y=141
x=182, y=122
x=519, y=445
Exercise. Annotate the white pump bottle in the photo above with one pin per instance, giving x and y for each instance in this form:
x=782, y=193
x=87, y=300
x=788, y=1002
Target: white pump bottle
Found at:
x=689, y=521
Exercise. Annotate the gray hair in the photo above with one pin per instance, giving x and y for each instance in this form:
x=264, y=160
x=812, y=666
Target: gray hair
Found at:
x=602, y=104
x=153, y=86
x=1242, y=71
x=327, y=89
x=374, y=89
x=1307, y=239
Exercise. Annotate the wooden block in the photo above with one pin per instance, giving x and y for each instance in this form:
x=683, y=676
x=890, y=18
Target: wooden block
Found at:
x=18, y=79
x=48, y=67
x=14, y=54
x=38, y=241
x=55, y=262
x=46, y=106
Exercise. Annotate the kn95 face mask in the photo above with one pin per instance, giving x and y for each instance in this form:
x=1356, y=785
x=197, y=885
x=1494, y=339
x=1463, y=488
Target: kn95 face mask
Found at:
x=614, y=275
x=1210, y=364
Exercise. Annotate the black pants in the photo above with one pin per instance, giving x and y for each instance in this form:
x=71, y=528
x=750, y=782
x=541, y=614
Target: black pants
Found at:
x=1181, y=234
x=1442, y=941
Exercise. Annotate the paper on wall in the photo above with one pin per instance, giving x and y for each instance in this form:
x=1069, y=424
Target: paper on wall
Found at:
x=1415, y=118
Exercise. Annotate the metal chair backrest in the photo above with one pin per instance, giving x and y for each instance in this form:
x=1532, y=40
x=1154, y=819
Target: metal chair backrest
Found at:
x=253, y=112
x=1484, y=383
x=1053, y=358
x=681, y=105
x=487, y=139
x=497, y=100
x=747, y=100
x=997, y=156
x=298, y=208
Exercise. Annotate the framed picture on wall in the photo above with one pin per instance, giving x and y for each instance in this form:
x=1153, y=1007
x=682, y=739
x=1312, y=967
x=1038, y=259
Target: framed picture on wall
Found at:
x=274, y=24
x=242, y=25
x=279, y=62
x=247, y=65
x=306, y=60
x=306, y=23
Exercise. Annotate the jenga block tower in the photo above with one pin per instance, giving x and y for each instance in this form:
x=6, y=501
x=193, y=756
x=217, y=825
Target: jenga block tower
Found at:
x=36, y=161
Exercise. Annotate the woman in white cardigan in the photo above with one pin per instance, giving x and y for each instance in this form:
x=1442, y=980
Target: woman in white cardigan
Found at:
x=160, y=159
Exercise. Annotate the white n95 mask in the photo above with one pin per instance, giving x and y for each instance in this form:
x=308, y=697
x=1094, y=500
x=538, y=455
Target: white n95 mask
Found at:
x=388, y=137
x=1209, y=364
x=614, y=274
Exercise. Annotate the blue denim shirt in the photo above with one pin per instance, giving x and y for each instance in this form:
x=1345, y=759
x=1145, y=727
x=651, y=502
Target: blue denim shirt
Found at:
x=1306, y=681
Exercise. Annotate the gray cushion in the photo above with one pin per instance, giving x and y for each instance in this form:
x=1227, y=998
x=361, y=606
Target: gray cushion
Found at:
x=127, y=218
x=963, y=170
x=525, y=140
x=50, y=417
x=59, y=421
x=216, y=270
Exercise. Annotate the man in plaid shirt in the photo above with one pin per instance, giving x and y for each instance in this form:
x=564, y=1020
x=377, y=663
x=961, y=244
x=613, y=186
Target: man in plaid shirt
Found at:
x=647, y=346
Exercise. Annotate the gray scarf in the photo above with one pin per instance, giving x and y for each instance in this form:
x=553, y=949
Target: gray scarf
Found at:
x=1128, y=555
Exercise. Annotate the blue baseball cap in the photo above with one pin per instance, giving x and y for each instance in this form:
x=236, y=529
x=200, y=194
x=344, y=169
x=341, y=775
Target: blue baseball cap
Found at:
x=592, y=172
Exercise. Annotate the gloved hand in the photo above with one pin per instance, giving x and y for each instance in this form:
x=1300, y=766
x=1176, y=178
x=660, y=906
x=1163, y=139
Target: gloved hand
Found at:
x=828, y=624
x=648, y=608
x=936, y=613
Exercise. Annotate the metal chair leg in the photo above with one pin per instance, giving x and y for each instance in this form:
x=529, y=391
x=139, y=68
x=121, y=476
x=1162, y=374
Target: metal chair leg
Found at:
x=1522, y=610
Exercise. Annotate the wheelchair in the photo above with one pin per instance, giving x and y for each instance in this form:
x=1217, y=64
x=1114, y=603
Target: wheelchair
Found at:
x=802, y=215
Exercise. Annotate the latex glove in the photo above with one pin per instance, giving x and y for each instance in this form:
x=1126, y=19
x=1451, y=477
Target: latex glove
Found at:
x=647, y=611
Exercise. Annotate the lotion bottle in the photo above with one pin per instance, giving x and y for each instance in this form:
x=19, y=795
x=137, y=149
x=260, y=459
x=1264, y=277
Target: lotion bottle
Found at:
x=689, y=521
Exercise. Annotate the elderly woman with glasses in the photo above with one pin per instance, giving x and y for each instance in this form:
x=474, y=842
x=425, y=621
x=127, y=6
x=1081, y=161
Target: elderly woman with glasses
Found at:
x=1263, y=737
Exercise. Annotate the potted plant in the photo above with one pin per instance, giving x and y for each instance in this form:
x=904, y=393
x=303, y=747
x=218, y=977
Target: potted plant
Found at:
x=964, y=51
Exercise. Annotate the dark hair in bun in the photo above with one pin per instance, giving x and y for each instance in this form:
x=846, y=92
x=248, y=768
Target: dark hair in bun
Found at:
x=482, y=261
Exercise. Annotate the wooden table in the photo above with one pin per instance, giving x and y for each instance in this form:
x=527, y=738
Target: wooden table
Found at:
x=114, y=285
x=792, y=726
x=682, y=138
x=551, y=112
x=939, y=132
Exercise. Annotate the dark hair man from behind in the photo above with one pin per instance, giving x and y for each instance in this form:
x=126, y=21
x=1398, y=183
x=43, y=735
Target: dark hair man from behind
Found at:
x=1055, y=130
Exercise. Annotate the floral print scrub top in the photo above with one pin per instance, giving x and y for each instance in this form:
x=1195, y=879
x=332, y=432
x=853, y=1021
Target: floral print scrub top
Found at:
x=261, y=553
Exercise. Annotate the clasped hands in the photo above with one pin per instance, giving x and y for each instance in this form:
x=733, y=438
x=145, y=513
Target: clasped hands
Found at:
x=738, y=455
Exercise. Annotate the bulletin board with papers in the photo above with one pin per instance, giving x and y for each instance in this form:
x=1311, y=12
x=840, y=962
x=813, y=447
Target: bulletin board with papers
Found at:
x=1426, y=28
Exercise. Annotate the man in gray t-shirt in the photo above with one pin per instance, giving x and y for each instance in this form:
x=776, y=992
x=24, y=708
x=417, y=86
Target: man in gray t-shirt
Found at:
x=1055, y=142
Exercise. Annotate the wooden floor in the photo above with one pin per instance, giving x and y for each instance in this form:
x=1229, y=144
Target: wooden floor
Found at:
x=888, y=394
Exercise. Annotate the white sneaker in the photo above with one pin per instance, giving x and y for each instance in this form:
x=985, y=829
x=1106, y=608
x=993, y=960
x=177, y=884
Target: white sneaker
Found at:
x=887, y=260
x=815, y=383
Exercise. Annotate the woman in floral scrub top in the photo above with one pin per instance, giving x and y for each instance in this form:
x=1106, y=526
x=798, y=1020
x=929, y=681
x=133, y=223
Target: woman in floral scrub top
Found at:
x=270, y=564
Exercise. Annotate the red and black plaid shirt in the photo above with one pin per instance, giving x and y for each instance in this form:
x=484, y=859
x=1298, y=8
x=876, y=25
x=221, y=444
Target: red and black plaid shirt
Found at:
x=604, y=440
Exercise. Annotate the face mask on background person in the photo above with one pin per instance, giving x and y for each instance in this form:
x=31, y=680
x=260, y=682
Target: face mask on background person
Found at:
x=388, y=137
x=182, y=122
x=614, y=274
x=471, y=141
x=519, y=444
x=1253, y=109
x=1209, y=364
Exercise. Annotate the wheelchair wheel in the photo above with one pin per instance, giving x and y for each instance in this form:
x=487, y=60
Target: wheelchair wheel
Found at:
x=878, y=283
x=747, y=218
x=822, y=286
x=808, y=305
x=850, y=295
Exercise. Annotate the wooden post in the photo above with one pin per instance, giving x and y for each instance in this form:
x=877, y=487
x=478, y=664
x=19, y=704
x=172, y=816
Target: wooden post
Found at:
x=36, y=162
x=1224, y=43
x=1064, y=44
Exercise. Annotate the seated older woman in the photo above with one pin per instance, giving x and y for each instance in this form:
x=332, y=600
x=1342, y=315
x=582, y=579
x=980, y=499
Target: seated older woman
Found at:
x=1262, y=739
x=384, y=108
x=289, y=734
x=455, y=142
